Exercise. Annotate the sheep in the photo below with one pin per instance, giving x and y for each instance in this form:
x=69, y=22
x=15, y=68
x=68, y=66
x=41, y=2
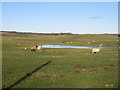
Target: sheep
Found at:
x=96, y=50
x=100, y=45
x=34, y=48
x=40, y=48
x=25, y=48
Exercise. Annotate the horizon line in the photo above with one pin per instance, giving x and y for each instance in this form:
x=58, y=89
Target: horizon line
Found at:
x=54, y=32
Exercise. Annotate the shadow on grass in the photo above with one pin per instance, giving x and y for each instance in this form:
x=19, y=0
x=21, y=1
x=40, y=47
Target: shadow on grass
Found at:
x=28, y=74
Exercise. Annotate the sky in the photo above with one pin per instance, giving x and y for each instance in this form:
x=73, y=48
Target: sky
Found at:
x=57, y=17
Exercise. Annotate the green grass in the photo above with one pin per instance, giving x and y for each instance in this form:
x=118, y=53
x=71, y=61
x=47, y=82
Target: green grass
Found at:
x=70, y=68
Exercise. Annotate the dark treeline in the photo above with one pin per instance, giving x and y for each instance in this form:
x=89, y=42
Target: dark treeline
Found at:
x=52, y=33
x=38, y=33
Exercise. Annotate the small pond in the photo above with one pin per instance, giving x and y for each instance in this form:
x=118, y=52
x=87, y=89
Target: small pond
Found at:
x=65, y=46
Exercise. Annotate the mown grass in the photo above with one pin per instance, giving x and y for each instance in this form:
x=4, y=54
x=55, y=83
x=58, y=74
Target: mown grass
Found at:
x=70, y=68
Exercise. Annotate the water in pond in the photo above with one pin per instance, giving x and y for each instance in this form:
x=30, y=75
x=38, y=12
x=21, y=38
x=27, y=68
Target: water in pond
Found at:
x=64, y=46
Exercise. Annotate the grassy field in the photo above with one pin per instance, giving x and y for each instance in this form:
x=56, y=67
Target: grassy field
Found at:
x=70, y=68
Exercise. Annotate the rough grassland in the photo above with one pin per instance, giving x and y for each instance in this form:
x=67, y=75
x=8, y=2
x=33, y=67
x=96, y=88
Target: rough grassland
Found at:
x=70, y=68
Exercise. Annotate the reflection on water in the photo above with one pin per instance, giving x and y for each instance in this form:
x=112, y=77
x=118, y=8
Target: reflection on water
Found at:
x=64, y=46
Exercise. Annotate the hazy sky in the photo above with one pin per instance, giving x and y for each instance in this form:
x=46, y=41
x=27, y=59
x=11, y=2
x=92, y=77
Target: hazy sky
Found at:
x=75, y=17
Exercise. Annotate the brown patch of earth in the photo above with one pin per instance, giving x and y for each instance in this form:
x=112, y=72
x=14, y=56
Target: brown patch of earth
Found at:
x=78, y=66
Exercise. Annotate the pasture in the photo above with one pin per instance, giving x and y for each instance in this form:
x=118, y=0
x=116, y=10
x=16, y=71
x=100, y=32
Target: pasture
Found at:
x=69, y=68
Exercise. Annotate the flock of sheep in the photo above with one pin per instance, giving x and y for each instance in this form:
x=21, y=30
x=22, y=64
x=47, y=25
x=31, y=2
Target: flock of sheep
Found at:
x=40, y=48
x=94, y=50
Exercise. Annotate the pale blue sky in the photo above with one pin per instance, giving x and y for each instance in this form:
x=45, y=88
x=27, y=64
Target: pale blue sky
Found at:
x=75, y=17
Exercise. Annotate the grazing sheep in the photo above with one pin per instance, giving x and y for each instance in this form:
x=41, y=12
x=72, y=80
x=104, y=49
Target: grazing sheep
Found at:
x=71, y=42
x=96, y=50
x=34, y=48
x=40, y=48
x=25, y=48
x=88, y=42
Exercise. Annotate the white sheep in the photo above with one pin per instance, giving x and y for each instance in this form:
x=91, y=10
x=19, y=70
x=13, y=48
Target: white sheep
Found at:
x=100, y=45
x=25, y=48
x=96, y=50
x=34, y=48
x=39, y=47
